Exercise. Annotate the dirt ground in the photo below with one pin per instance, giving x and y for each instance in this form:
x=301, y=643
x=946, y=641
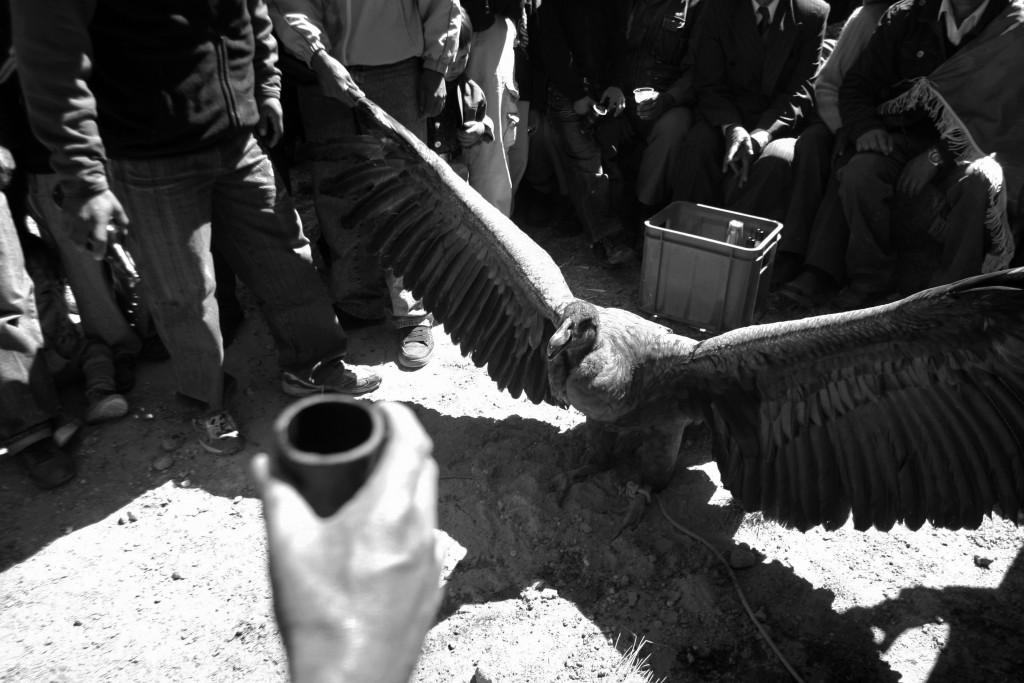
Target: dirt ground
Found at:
x=150, y=566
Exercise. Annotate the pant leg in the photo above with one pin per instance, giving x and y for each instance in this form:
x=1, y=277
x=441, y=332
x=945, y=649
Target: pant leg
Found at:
x=589, y=186
x=519, y=152
x=658, y=164
x=256, y=228
x=768, y=183
x=829, y=235
x=865, y=189
x=963, y=236
x=102, y=317
x=812, y=158
x=491, y=65
x=169, y=202
x=28, y=400
x=698, y=176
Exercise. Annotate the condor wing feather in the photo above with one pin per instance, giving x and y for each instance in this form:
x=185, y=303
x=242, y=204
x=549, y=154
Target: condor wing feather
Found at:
x=498, y=294
x=908, y=412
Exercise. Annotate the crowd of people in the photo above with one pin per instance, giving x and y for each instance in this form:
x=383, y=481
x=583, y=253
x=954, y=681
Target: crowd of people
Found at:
x=142, y=180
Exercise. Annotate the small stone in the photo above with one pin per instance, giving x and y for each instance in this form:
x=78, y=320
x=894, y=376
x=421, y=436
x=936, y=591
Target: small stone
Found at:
x=983, y=562
x=742, y=559
x=451, y=645
x=148, y=416
x=185, y=483
x=120, y=521
x=170, y=444
x=176, y=576
x=131, y=516
x=162, y=462
x=586, y=528
x=632, y=596
x=77, y=623
x=481, y=676
x=236, y=500
x=249, y=391
x=761, y=616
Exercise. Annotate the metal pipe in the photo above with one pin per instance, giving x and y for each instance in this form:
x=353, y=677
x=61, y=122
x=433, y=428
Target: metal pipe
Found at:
x=327, y=446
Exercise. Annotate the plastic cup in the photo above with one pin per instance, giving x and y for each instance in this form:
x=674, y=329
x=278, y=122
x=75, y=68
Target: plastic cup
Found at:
x=641, y=95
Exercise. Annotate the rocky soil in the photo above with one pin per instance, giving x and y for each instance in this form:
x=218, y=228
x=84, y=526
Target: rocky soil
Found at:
x=150, y=566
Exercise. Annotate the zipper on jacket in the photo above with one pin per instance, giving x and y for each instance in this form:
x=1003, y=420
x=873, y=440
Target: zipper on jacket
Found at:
x=225, y=82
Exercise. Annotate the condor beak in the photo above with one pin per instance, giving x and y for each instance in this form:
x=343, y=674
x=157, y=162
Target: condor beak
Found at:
x=561, y=337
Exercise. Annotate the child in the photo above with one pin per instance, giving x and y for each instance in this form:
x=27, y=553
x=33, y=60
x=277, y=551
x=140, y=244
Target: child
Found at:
x=463, y=123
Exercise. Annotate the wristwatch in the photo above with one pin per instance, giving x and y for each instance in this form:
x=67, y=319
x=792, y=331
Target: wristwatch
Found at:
x=934, y=157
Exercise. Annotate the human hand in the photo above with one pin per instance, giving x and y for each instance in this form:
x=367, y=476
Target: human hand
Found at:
x=335, y=80
x=875, y=140
x=657, y=104
x=7, y=167
x=432, y=92
x=615, y=98
x=739, y=153
x=271, y=125
x=915, y=175
x=583, y=105
x=87, y=220
x=355, y=593
x=759, y=139
x=470, y=133
x=533, y=121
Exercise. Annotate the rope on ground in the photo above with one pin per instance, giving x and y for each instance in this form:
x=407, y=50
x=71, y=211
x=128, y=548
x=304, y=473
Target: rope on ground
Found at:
x=736, y=585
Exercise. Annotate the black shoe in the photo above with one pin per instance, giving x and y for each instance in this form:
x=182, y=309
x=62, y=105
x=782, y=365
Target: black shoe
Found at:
x=46, y=464
x=616, y=251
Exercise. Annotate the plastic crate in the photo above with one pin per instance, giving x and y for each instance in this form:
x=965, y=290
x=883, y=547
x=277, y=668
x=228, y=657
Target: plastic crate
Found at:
x=692, y=275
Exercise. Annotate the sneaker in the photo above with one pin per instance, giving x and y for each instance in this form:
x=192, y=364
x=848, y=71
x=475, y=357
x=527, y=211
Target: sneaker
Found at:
x=417, y=346
x=332, y=376
x=104, y=405
x=46, y=464
x=616, y=251
x=218, y=434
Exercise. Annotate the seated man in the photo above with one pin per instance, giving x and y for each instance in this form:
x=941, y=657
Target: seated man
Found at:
x=184, y=158
x=920, y=110
x=659, y=36
x=752, y=78
x=581, y=43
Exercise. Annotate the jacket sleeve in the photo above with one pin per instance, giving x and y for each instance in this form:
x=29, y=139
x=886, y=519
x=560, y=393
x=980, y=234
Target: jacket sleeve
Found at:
x=54, y=57
x=682, y=89
x=555, y=53
x=871, y=76
x=300, y=26
x=797, y=96
x=709, y=75
x=268, y=76
x=441, y=25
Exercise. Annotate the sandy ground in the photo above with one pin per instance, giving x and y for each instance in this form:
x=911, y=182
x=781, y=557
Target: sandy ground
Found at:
x=151, y=564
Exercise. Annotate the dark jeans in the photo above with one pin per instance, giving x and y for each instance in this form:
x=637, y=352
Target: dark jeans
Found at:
x=866, y=188
x=812, y=166
x=589, y=185
x=358, y=284
x=224, y=196
x=28, y=400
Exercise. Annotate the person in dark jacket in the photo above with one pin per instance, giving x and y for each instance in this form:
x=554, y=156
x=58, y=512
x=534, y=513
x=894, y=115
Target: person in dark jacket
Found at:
x=902, y=150
x=753, y=80
x=582, y=47
x=167, y=98
x=659, y=92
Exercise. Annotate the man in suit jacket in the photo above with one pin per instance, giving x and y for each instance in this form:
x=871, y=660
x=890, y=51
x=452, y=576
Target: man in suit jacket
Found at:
x=753, y=81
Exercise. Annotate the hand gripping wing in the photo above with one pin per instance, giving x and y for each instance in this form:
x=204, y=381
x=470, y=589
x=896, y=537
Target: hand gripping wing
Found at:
x=498, y=294
x=909, y=412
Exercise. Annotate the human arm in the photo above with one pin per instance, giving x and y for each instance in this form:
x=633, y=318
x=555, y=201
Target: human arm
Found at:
x=855, y=34
x=555, y=54
x=54, y=62
x=441, y=25
x=478, y=126
x=710, y=75
x=869, y=80
x=268, y=77
x=355, y=593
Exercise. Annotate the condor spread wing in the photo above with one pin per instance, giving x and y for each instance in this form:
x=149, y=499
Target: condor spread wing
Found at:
x=498, y=294
x=909, y=412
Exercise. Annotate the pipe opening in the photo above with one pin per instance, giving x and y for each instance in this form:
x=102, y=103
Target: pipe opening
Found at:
x=330, y=428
